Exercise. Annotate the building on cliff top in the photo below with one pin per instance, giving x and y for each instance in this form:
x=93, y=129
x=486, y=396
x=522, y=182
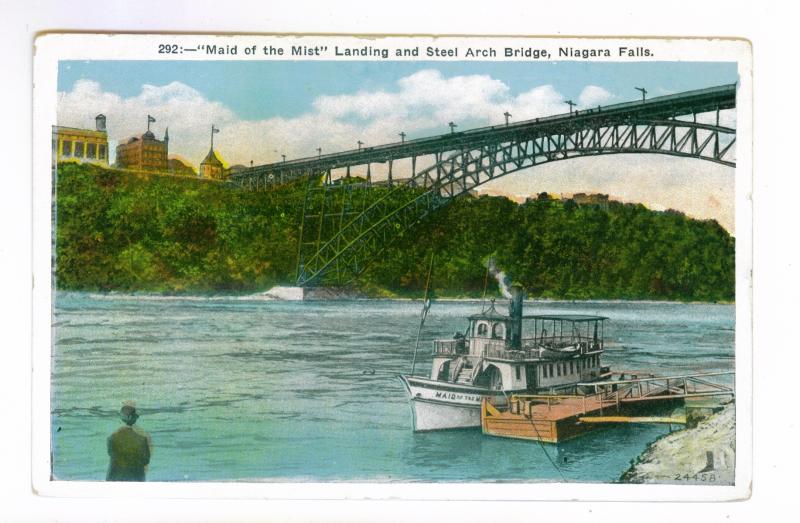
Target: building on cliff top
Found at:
x=145, y=152
x=81, y=145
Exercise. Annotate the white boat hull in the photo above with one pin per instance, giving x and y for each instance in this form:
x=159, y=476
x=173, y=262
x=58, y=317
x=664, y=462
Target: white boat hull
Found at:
x=443, y=405
x=441, y=416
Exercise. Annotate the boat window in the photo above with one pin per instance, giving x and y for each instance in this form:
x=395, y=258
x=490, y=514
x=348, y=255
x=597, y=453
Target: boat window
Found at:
x=498, y=331
x=518, y=372
x=551, y=370
x=571, y=367
x=558, y=369
x=544, y=371
x=482, y=329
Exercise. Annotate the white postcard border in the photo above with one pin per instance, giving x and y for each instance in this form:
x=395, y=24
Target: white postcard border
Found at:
x=51, y=48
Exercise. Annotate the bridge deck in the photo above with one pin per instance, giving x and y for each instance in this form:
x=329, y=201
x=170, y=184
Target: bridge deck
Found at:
x=661, y=107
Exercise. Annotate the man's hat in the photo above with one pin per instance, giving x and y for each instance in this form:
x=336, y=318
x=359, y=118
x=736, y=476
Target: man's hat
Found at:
x=128, y=413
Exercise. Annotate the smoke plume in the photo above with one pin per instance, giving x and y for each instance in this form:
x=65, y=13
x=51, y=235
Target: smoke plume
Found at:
x=502, y=280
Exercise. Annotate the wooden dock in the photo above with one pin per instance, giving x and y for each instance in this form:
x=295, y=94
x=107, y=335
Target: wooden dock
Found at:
x=553, y=418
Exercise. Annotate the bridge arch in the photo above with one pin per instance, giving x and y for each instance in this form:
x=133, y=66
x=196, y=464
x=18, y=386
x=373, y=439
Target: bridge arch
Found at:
x=460, y=171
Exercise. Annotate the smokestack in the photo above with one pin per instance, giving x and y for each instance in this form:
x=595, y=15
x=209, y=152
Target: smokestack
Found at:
x=515, y=311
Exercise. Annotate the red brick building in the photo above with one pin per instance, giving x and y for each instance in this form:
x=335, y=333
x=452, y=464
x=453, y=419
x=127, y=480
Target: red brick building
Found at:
x=144, y=153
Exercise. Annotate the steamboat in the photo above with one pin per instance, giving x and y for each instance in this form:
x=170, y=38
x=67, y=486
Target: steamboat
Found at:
x=547, y=383
x=492, y=357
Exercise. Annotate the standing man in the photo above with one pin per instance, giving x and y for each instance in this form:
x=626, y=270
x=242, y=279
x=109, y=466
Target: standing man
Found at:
x=129, y=448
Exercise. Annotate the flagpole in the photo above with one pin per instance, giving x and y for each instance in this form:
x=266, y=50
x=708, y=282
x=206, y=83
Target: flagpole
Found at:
x=425, y=306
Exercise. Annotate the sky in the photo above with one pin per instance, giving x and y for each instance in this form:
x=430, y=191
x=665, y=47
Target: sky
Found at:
x=268, y=108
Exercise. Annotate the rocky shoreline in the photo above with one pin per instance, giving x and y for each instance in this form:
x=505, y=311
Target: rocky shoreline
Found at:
x=701, y=455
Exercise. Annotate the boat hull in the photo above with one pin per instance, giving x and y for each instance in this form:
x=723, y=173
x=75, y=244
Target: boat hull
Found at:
x=439, y=405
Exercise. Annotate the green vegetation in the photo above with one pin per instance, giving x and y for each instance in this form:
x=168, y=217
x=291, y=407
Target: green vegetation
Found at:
x=123, y=232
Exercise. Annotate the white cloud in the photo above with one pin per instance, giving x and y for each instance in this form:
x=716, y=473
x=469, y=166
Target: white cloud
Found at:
x=592, y=96
x=187, y=113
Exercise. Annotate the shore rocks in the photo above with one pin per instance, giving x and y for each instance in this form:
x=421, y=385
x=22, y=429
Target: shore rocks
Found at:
x=702, y=455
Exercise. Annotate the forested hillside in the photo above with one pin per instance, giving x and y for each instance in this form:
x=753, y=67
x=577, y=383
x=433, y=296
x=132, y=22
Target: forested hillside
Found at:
x=123, y=232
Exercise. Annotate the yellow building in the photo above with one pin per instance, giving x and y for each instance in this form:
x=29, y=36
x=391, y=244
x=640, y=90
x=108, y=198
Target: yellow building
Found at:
x=81, y=145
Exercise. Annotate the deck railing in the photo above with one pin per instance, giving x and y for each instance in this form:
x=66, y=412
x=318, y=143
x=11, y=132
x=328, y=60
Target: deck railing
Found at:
x=531, y=348
x=500, y=352
x=450, y=347
x=583, y=345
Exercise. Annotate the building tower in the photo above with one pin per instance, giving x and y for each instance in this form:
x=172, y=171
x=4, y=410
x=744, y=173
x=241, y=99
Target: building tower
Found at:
x=212, y=166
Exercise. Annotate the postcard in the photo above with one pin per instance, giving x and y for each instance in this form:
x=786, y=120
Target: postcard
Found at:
x=372, y=267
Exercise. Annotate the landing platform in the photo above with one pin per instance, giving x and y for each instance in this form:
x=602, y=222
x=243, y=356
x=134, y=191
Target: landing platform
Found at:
x=286, y=293
x=553, y=418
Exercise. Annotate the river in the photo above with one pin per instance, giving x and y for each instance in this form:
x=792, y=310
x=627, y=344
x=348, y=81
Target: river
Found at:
x=234, y=388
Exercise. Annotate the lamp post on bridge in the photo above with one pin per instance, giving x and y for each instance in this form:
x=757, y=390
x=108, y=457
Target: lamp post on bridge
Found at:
x=319, y=152
x=643, y=91
x=284, y=158
x=507, y=115
x=452, y=127
x=360, y=143
x=571, y=105
x=402, y=136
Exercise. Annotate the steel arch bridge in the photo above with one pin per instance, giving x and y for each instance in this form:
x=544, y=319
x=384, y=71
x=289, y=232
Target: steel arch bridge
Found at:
x=344, y=225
